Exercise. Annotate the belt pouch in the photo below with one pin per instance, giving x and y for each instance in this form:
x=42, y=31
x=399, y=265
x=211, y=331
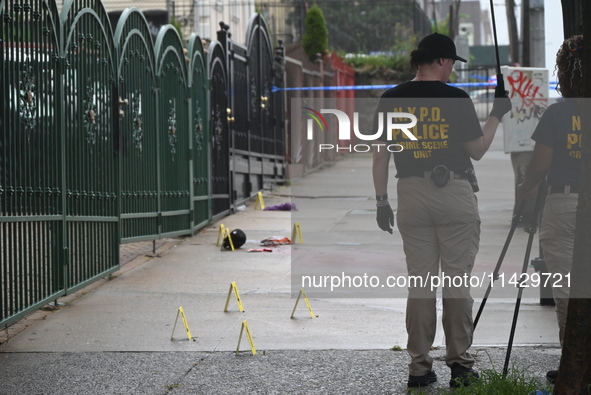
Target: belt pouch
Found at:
x=440, y=175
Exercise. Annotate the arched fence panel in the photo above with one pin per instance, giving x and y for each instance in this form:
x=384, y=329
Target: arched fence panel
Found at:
x=254, y=158
x=174, y=131
x=138, y=128
x=265, y=131
x=90, y=167
x=31, y=200
x=260, y=56
x=220, y=136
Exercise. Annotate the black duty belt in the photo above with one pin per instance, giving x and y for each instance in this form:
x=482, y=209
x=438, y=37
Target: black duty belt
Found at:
x=427, y=175
x=565, y=189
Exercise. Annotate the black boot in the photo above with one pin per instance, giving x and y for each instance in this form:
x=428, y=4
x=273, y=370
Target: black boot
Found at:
x=462, y=376
x=420, y=381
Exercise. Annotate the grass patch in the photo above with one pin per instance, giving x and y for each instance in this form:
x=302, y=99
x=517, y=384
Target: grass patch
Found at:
x=492, y=382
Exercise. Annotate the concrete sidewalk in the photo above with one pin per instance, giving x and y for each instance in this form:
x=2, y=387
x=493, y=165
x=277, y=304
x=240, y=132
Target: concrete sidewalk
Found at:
x=116, y=338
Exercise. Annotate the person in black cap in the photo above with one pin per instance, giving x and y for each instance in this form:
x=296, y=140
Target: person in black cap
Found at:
x=437, y=213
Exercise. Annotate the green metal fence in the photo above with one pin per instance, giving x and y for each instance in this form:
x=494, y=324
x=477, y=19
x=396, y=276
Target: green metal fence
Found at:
x=199, y=133
x=85, y=81
x=32, y=201
x=109, y=138
x=136, y=102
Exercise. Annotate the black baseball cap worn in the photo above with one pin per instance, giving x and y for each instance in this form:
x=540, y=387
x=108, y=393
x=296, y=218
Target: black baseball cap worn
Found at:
x=440, y=46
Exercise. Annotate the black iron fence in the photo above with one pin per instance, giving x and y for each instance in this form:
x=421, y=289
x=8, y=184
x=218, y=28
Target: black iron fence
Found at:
x=478, y=80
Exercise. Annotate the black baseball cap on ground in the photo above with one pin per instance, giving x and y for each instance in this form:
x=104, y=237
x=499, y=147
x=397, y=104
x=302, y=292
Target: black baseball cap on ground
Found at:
x=440, y=46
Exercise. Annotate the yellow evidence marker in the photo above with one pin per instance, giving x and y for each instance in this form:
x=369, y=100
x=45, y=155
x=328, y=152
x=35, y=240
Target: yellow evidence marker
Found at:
x=303, y=293
x=227, y=234
x=244, y=327
x=181, y=312
x=234, y=288
x=221, y=235
x=297, y=233
x=260, y=203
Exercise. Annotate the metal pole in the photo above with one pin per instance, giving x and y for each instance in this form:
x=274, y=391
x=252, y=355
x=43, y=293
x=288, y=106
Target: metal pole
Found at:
x=514, y=223
x=532, y=231
x=494, y=26
x=500, y=80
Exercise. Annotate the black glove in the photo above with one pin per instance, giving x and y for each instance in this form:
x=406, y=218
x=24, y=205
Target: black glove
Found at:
x=385, y=218
x=502, y=103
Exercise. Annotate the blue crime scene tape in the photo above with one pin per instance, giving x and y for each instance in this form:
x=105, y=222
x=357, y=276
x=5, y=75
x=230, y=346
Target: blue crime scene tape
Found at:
x=366, y=87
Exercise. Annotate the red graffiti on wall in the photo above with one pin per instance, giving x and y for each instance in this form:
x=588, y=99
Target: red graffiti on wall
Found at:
x=529, y=101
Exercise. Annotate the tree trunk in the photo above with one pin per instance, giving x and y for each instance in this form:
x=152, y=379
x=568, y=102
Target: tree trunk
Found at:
x=572, y=17
x=456, y=27
x=435, y=17
x=513, y=34
x=454, y=18
x=525, y=34
x=574, y=375
x=450, y=22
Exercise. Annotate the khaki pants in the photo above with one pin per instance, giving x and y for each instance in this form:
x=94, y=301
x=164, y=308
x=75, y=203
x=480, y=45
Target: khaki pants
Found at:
x=557, y=237
x=439, y=226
